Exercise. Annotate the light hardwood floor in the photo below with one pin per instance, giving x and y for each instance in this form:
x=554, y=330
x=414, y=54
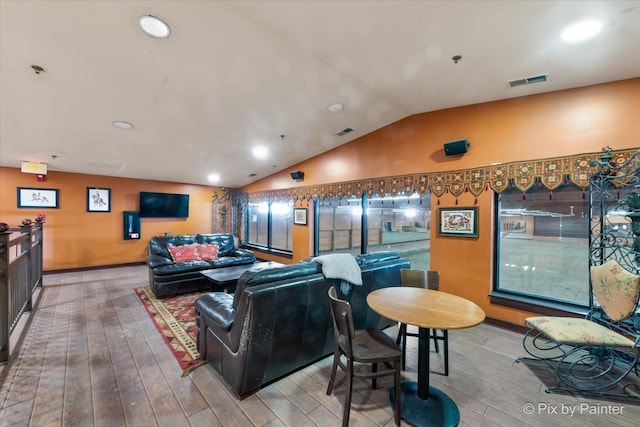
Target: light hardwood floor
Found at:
x=90, y=355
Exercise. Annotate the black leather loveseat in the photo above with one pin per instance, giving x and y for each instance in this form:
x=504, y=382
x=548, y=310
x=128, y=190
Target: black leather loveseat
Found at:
x=279, y=320
x=169, y=278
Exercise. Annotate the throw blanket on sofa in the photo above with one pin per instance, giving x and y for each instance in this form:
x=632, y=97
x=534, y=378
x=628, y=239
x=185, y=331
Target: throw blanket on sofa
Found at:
x=341, y=266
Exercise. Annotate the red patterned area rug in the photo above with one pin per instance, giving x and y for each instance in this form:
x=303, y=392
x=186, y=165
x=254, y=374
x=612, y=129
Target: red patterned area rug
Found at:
x=175, y=319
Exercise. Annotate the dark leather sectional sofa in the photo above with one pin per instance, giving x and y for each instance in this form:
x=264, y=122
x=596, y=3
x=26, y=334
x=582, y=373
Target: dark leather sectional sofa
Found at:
x=279, y=320
x=168, y=278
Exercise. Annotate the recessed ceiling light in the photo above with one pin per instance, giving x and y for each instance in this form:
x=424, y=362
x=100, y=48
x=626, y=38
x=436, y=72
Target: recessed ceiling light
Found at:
x=260, y=152
x=153, y=26
x=335, y=108
x=213, y=178
x=122, y=124
x=581, y=31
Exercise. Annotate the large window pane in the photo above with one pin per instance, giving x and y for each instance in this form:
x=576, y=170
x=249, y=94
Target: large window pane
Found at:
x=270, y=225
x=258, y=218
x=402, y=224
x=281, y=226
x=543, y=244
x=399, y=223
x=340, y=225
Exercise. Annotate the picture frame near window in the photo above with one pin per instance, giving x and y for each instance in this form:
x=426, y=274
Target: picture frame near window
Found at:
x=98, y=199
x=47, y=198
x=460, y=222
x=300, y=216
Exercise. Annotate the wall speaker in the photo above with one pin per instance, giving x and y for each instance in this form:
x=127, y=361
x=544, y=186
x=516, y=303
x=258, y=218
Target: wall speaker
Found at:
x=297, y=175
x=456, y=147
x=131, y=225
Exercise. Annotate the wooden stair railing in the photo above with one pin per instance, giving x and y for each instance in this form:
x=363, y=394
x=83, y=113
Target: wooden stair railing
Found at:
x=21, y=262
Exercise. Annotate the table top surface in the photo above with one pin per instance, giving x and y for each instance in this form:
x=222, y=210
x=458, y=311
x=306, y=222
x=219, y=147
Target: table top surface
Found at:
x=425, y=308
x=233, y=273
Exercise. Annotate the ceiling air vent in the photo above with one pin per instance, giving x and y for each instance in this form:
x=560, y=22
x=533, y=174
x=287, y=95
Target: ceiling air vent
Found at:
x=529, y=80
x=343, y=132
x=251, y=175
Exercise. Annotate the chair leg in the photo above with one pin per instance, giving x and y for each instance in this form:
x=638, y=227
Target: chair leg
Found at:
x=347, y=395
x=402, y=342
x=434, y=335
x=397, y=394
x=446, y=352
x=334, y=368
x=374, y=380
x=402, y=331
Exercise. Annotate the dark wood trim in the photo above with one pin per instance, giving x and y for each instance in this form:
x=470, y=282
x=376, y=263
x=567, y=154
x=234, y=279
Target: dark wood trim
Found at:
x=96, y=267
x=544, y=308
x=260, y=249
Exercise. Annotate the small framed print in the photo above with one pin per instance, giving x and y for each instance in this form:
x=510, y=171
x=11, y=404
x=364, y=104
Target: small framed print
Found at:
x=38, y=198
x=300, y=216
x=98, y=199
x=461, y=222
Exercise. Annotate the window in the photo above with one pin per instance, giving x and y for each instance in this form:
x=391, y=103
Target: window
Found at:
x=542, y=245
x=281, y=226
x=401, y=223
x=339, y=226
x=270, y=225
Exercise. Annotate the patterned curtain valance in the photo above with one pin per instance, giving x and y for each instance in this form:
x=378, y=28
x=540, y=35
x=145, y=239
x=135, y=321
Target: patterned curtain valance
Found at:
x=550, y=173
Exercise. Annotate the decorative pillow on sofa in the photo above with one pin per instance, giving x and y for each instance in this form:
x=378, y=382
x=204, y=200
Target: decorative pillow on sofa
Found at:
x=184, y=252
x=207, y=251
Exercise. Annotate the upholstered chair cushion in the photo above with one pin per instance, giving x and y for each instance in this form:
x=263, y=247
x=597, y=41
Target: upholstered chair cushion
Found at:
x=615, y=288
x=569, y=330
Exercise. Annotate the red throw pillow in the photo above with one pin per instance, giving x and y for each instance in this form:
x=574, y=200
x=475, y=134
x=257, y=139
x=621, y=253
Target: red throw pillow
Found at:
x=184, y=253
x=208, y=252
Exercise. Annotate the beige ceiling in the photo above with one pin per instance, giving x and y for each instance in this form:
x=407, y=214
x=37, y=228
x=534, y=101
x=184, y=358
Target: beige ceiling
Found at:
x=234, y=75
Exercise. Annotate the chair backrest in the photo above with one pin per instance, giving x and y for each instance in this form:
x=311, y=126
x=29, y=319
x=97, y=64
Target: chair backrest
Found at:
x=616, y=289
x=420, y=278
x=343, y=328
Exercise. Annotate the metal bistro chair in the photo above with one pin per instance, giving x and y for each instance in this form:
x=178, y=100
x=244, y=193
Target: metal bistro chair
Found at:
x=370, y=346
x=422, y=279
x=593, y=356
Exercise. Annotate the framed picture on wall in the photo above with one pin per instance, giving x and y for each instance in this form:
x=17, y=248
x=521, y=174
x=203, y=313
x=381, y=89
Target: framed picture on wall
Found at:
x=300, y=216
x=38, y=198
x=98, y=199
x=461, y=222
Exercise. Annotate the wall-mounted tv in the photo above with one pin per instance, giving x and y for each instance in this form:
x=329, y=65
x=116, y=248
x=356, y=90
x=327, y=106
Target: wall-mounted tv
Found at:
x=163, y=205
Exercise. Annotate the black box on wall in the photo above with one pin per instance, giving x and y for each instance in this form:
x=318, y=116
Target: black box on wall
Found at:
x=131, y=225
x=456, y=147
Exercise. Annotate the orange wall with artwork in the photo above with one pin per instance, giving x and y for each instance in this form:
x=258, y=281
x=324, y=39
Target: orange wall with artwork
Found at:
x=75, y=238
x=563, y=123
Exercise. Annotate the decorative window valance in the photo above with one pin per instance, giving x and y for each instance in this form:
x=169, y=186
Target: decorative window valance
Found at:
x=550, y=173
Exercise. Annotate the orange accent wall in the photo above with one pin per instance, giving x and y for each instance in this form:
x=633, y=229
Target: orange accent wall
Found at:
x=562, y=123
x=75, y=238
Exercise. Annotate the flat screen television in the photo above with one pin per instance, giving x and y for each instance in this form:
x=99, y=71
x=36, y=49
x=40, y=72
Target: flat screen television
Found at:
x=163, y=205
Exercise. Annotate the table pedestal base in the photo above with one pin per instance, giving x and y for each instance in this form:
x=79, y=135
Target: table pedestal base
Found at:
x=438, y=410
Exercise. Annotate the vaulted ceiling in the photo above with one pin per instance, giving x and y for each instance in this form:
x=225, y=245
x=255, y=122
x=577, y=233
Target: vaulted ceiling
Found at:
x=236, y=75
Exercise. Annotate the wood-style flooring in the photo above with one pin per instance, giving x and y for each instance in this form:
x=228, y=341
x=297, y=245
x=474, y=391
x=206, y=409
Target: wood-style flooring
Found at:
x=89, y=355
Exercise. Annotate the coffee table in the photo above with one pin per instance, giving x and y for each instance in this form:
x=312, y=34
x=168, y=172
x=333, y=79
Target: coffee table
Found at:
x=223, y=277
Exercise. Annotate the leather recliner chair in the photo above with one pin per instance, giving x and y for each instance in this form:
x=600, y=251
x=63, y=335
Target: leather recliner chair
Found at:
x=279, y=320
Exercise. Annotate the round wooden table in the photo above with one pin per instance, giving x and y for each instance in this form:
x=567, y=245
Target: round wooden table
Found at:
x=422, y=404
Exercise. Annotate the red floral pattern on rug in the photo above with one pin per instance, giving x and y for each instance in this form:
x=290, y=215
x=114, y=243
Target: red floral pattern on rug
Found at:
x=174, y=318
